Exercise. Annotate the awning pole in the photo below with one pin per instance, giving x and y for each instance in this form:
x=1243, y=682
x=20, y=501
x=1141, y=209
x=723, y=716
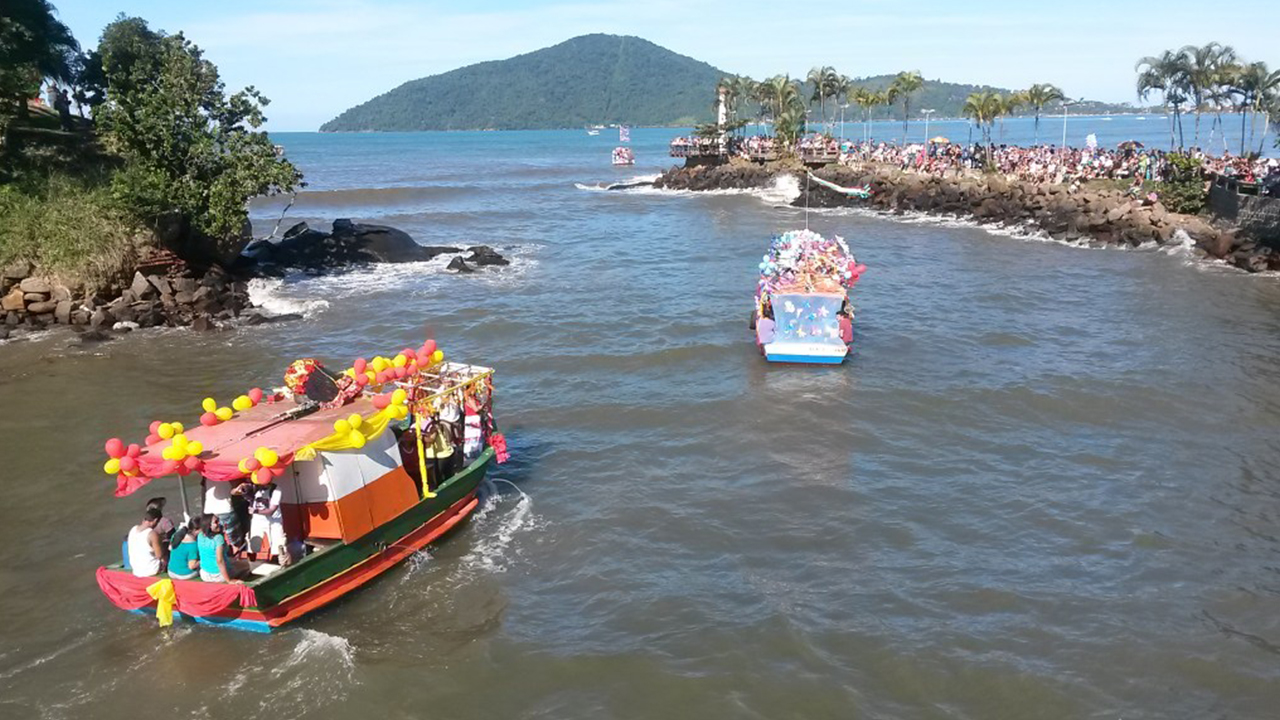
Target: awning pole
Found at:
x=182, y=488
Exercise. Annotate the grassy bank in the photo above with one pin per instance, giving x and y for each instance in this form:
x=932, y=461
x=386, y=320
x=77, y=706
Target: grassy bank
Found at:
x=67, y=224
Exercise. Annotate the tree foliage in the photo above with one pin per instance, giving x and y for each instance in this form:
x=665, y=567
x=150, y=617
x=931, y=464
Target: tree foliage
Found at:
x=187, y=144
x=34, y=45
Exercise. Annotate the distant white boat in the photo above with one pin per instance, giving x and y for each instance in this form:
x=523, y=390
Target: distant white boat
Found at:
x=1141, y=117
x=591, y=131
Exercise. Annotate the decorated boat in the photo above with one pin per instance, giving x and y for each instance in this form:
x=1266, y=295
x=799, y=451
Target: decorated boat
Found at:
x=623, y=156
x=802, y=310
x=372, y=464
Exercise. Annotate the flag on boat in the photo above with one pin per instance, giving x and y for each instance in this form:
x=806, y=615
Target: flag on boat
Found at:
x=624, y=133
x=862, y=192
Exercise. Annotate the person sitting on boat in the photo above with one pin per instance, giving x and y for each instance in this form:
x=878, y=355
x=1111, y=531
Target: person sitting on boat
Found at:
x=266, y=524
x=165, y=528
x=184, y=558
x=146, y=554
x=215, y=565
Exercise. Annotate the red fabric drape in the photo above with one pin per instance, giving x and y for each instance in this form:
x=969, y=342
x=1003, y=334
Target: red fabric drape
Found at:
x=198, y=599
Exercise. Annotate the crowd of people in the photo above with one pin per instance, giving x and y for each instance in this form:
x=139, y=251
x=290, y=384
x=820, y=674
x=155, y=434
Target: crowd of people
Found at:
x=1050, y=164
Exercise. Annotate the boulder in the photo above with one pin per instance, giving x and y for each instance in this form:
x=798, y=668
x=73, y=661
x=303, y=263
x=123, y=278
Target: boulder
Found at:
x=12, y=319
x=99, y=317
x=62, y=312
x=96, y=335
x=184, y=285
x=35, y=297
x=485, y=255
x=142, y=288
x=161, y=284
x=202, y=323
x=182, y=297
x=14, y=301
x=44, y=306
x=16, y=271
x=60, y=292
x=459, y=265
x=35, y=285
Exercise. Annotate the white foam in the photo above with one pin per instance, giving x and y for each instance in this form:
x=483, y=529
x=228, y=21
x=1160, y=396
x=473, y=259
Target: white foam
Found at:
x=315, y=645
x=271, y=295
x=490, y=552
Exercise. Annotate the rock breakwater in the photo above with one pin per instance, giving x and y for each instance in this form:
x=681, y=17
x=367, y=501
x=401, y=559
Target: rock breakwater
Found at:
x=1095, y=215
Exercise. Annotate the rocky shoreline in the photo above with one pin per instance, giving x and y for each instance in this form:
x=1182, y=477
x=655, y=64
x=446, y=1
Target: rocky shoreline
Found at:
x=165, y=291
x=1102, y=216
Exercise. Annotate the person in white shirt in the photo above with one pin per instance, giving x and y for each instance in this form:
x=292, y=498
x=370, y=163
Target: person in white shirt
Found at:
x=146, y=555
x=266, y=524
x=217, y=501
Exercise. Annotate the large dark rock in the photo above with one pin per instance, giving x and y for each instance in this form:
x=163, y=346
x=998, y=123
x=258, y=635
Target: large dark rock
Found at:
x=485, y=255
x=350, y=243
x=459, y=265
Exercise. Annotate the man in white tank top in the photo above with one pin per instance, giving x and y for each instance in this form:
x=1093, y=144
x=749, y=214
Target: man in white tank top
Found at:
x=146, y=556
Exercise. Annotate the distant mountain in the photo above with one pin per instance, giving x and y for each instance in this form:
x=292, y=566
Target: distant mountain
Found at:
x=588, y=80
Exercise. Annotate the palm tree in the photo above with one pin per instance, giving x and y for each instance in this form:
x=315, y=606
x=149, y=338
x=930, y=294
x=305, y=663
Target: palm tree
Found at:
x=1168, y=74
x=1204, y=72
x=864, y=98
x=984, y=107
x=1039, y=95
x=906, y=83
x=841, y=86
x=1009, y=105
x=1252, y=83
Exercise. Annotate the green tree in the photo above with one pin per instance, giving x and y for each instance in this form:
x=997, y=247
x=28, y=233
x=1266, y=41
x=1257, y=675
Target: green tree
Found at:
x=1167, y=74
x=983, y=108
x=187, y=145
x=34, y=45
x=1039, y=95
x=904, y=85
x=1009, y=104
x=1205, y=73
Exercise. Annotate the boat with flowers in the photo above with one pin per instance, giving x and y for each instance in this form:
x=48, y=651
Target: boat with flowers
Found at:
x=623, y=156
x=372, y=465
x=802, y=310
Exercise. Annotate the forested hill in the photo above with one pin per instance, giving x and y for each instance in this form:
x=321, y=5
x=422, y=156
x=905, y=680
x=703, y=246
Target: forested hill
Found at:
x=947, y=99
x=588, y=80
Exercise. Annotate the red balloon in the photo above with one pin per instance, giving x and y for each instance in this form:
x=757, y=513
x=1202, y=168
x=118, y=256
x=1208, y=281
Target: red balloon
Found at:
x=168, y=467
x=155, y=427
x=208, y=419
x=134, y=450
x=400, y=372
x=255, y=395
x=428, y=347
x=152, y=439
x=252, y=464
x=360, y=365
x=413, y=368
x=115, y=447
x=193, y=463
x=423, y=358
x=262, y=476
x=128, y=463
x=362, y=380
x=183, y=471
x=381, y=401
x=382, y=377
x=277, y=471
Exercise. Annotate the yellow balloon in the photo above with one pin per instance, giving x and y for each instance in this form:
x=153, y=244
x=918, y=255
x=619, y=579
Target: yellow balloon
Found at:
x=224, y=413
x=379, y=364
x=399, y=396
x=355, y=420
x=179, y=442
x=195, y=448
x=356, y=438
x=166, y=431
x=260, y=453
x=341, y=427
x=437, y=356
x=269, y=458
x=349, y=372
x=209, y=404
x=177, y=428
x=168, y=453
x=112, y=466
x=373, y=376
x=240, y=466
x=401, y=412
x=400, y=361
x=241, y=403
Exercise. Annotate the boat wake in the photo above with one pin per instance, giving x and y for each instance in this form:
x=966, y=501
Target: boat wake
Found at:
x=269, y=294
x=490, y=552
x=632, y=183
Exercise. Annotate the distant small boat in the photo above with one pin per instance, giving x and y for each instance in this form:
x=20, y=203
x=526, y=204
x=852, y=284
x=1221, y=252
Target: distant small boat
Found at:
x=592, y=131
x=623, y=156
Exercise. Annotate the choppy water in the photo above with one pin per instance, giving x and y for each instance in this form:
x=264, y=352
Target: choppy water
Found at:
x=1044, y=485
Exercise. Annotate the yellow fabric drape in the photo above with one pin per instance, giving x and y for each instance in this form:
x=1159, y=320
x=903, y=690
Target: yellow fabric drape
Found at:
x=165, y=597
x=371, y=427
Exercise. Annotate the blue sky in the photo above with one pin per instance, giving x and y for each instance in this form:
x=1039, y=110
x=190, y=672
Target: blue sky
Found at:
x=315, y=58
